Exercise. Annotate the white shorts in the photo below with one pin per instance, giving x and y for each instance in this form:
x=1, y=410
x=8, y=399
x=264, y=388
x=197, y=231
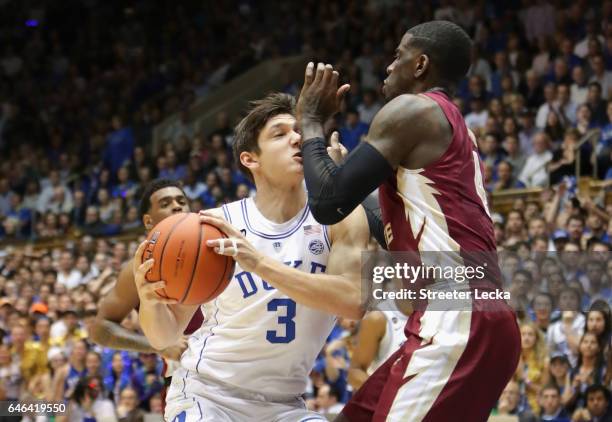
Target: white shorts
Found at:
x=194, y=398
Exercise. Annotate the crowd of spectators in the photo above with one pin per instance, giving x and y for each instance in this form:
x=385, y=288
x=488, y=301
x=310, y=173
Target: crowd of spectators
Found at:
x=83, y=84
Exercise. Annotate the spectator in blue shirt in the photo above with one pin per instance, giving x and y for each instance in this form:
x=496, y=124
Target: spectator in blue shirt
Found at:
x=119, y=146
x=353, y=130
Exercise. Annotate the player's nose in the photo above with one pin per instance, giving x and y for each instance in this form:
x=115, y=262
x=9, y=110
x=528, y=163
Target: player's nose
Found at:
x=296, y=139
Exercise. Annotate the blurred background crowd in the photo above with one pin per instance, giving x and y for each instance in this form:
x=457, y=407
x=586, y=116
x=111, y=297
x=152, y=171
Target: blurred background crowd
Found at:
x=84, y=83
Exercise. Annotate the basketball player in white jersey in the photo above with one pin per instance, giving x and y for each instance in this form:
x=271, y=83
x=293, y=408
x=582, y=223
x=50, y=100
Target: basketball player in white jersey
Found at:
x=251, y=358
x=381, y=333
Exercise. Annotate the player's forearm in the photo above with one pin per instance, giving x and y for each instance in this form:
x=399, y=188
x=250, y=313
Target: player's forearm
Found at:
x=160, y=325
x=110, y=334
x=335, y=191
x=334, y=294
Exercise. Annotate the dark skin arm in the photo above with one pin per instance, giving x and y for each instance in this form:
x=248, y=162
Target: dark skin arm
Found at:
x=114, y=307
x=409, y=131
x=371, y=330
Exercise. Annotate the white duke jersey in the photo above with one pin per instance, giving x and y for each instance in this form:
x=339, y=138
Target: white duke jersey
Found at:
x=394, y=336
x=255, y=337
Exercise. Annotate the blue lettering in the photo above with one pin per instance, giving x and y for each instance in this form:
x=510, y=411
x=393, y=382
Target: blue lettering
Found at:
x=266, y=286
x=295, y=263
x=314, y=266
x=246, y=292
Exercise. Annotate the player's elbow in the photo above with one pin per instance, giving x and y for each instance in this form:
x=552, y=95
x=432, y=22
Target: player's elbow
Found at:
x=98, y=332
x=324, y=213
x=161, y=341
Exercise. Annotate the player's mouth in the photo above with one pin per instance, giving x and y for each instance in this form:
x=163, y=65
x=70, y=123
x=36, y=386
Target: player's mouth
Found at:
x=297, y=157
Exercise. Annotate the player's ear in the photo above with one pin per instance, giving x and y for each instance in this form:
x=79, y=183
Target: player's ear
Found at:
x=422, y=64
x=249, y=160
x=147, y=222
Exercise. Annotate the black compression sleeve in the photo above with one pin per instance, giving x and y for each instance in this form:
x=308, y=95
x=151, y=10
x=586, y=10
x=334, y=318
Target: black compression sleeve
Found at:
x=335, y=191
x=375, y=222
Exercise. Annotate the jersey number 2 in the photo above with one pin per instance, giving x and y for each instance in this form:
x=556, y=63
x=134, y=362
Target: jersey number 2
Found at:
x=286, y=320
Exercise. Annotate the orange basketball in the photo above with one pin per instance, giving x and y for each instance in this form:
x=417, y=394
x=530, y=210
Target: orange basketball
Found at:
x=193, y=272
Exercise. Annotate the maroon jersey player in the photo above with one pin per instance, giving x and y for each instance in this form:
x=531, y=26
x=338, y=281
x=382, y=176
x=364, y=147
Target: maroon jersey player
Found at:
x=454, y=364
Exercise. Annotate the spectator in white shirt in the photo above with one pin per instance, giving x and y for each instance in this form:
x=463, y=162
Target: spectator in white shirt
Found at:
x=563, y=336
x=601, y=75
x=541, y=62
x=534, y=173
x=582, y=47
x=477, y=118
x=67, y=274
x=60, y=203
x=479, y=66
x=527, y=132
x=539, y=20
x=328, y=401
x=368, y=108
x=49, y=191
x=550, y=95
x=579, y=88
x=564, y=105
x=193, y=188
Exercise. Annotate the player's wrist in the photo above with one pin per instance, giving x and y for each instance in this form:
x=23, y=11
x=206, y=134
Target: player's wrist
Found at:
x=311, y=129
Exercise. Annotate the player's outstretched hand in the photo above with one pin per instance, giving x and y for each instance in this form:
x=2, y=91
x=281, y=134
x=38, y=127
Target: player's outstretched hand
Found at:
x=235, y=245
x=146, y=289
x=320, y=97
x=175, y=352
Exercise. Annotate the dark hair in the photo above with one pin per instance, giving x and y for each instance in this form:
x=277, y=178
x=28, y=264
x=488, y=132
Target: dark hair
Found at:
x=551, y=386
x=595, y=84
x=86, y=385
x=596, y=241
x=448, y=47
x=150, y=189
x=247, y=131
x=601, y=306
x=543, y=294
x=595, y=388
x=334, y=392
x=515, y=211
x=599, y=361
x=525, y=273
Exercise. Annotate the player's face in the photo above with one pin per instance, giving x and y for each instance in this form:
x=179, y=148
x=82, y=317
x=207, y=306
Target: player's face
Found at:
x=280, y=156
x=164, y=203
x=406, y=67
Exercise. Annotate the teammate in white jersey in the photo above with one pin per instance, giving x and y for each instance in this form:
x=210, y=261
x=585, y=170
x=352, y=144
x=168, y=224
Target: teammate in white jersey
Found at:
x=251, y=358
x=381, y=333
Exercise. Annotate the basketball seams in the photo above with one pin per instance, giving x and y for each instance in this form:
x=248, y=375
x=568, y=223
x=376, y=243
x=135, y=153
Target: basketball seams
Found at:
x=161, y=258
x=196, y=262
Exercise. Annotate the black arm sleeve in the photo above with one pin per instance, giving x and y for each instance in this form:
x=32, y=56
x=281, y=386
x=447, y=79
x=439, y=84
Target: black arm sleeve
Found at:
x=375, y=222
x=335, y=191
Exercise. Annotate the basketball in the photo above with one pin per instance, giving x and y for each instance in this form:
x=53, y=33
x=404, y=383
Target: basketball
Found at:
x=193, y=272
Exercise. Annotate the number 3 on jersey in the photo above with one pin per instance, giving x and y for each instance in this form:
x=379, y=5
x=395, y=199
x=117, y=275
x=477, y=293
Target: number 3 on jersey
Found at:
x=288, y=306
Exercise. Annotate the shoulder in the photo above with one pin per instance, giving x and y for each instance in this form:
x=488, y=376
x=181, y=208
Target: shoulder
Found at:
x=403, y=111
x=374, y=323
x=374, y=318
